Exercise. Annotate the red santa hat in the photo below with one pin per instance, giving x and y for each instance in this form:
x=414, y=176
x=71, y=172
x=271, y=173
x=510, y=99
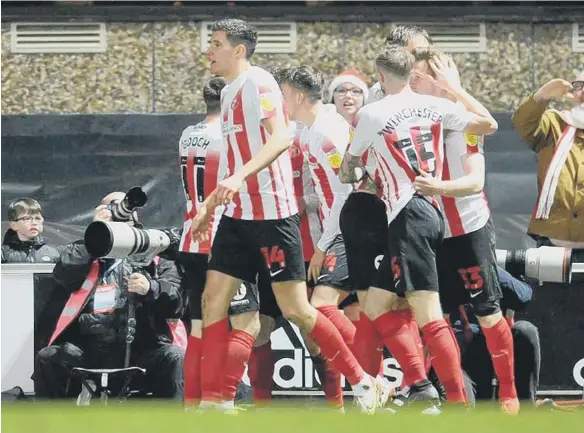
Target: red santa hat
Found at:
x=349, y=76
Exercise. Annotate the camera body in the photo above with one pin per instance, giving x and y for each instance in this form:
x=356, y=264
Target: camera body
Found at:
x=545, y=264
x=122, y=210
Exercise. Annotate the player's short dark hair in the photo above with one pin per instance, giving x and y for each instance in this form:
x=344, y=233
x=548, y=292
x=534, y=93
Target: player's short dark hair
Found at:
x=305, y=79
x=23, y=206
x=238, y=32
x=212, y=94
x=401, y=35
x=396, y=60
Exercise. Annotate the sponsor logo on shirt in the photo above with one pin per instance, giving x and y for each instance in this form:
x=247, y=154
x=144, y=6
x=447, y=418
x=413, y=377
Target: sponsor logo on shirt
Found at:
x=230, y=129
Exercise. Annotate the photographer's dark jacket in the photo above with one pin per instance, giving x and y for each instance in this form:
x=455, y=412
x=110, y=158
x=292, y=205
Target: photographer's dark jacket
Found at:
x=34, y=251
x=105, y=331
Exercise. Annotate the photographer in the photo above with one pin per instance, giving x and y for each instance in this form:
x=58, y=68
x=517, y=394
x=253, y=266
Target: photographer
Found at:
x=476, y=360
x=92, y=328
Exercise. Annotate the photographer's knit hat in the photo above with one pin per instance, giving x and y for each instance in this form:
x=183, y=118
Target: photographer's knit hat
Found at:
x=349, y=76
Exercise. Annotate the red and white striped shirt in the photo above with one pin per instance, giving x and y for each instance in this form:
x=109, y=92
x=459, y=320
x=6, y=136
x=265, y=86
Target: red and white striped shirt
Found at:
x=404, y=132
x=323, y=145
x=462, y=214
x=310, y=223
x=203, y=163
x=249, y=99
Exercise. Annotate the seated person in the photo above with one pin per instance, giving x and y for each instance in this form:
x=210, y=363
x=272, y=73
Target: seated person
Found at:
x=476, y=360
x=23, y=242
x=93, y=325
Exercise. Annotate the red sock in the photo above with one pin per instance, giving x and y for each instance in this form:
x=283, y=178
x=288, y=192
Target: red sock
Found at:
x=500, y=345
x=341, y=322
x=415, y=332
x=332, y=385
x=445, y=359
x=192, y=371
x=261, y=372
x=213, y=359
x=380, y=371
x=355, y=324
x=394, y=328
x=239, y=347
x=332, y=347
x=366, y=345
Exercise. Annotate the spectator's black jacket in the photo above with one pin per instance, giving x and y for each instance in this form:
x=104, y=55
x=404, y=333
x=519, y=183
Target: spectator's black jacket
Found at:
x=163, y=301
x=35, y=251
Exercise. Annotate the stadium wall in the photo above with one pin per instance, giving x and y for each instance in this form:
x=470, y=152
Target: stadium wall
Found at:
x=158, y=67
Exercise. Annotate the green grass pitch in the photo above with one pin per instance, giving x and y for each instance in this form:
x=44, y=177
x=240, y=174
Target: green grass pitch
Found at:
x=159, y=417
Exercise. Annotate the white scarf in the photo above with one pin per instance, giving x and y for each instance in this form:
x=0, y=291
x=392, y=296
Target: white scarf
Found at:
x=575, y=120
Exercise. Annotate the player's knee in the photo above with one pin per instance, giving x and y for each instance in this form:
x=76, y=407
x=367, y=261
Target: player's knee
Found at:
x=425, y=305
x=488, y=313
x=378, y=302
x=267, y=326
x=248, y=322
x=324, y=295
x=215, y=302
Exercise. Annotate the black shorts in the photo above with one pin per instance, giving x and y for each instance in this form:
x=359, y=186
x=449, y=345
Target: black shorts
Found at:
x=268, y=304
x=409, y=262
x=243, y=248
x=467, y=272
x=349, y=300
x=334, y=271
x=363, y=223
x=194, y=279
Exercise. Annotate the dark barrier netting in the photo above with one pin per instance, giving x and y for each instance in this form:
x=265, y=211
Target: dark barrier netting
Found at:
x=69, y=162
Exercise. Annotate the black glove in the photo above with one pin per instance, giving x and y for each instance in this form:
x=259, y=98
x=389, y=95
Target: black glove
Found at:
x=174, y=234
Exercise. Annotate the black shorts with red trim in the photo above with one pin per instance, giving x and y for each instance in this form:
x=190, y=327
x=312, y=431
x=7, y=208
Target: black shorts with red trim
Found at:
x=363, y=222
x=334, y=272
x=195, y=267
x=409, y=261
x=467, y=272
x=244, y=248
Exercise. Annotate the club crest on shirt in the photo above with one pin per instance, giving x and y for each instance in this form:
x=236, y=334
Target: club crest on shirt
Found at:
x=335, y=160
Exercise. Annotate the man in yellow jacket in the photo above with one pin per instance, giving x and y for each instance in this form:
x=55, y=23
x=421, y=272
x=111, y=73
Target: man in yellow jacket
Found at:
x=558, y=139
